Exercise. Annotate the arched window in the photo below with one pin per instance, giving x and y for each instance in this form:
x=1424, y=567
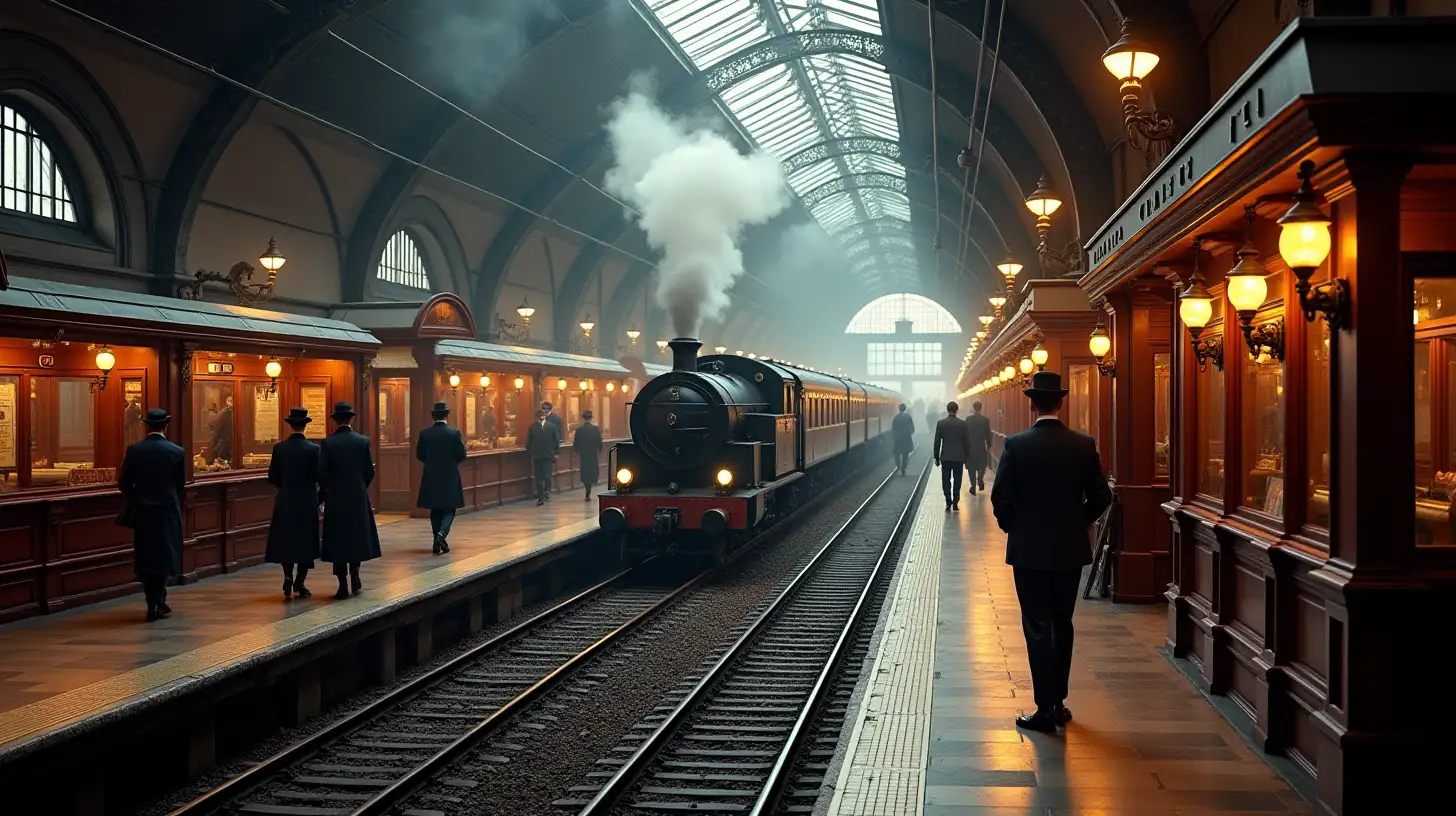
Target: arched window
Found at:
x=880, y=315
x=403, y=264
x=31, y=181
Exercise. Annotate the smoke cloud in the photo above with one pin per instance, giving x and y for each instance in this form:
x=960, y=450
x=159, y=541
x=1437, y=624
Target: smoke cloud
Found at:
x=695, y=193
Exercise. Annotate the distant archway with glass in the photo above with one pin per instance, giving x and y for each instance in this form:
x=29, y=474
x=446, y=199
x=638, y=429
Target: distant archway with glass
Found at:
x=912, y=359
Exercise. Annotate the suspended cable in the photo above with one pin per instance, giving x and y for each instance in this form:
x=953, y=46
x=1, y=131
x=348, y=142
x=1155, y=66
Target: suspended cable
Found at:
x=986, y=122
x=339, y=128
x=971, y=132
x=934, y=130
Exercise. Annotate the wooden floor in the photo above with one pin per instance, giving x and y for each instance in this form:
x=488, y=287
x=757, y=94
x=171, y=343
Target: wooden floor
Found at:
x=1143, y=741
x=61, y=668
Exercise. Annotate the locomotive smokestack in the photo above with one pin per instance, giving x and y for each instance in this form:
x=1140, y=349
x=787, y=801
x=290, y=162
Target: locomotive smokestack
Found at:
x=684, y=353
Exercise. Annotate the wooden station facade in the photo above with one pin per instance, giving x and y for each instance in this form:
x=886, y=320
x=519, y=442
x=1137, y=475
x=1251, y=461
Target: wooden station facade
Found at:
x=1284, y=474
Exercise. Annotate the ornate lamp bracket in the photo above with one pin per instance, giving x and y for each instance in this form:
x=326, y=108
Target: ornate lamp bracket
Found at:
x=1209, y=350
x=1265, y=337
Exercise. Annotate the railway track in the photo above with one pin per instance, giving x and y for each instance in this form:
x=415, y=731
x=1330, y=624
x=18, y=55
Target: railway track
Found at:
x=745, y=738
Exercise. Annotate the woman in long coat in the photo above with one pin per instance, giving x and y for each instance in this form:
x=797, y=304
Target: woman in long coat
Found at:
x=293, y=535
x=588, y=444
x=346, y=467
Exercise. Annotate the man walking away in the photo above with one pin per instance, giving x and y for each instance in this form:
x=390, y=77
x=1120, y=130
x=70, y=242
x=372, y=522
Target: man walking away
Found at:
x=952, y=450
x=153, y=480
x=1049, y=490
x=293, y=534
x=542, y=442
x=903, y=429
x=441, y=448
x=346, y=467
x=978, y=425
x=588, y=444
x=560, y=425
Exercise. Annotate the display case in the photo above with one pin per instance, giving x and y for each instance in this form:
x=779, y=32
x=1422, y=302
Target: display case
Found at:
x=79, y=366
x=1435, y=401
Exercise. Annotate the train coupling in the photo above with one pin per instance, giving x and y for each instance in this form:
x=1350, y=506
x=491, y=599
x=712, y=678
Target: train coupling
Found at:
x=664, y=520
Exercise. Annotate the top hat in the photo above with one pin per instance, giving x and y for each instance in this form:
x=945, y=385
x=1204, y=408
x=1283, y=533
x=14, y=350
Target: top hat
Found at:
x=343, y=410
x=298, y=417
x=440, y=409
x=156, y=416
x=1048, y=383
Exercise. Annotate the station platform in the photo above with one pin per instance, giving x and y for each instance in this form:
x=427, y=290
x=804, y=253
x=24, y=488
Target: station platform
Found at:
x=66, y=673
x=933, y=731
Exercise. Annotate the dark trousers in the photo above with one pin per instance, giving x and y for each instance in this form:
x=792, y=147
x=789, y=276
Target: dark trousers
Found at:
x=346, y=568
x=542, y=470
x=441, y=521
x=154, y=590
x=302, y=570
x=902, y=461
x=1047, y=598
x=950, y=479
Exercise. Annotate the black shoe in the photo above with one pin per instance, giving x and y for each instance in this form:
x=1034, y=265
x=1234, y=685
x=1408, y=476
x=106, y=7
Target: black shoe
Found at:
x=153, y=614
x=1064, y=715
x=343, y=593
x=444, y=545
x=948, y=505
x=287, y=586
x=1044, y=720
x=358, y=585
x=540, y=502
x=435, y=546
x=301, y=591
x=955, y=506
x=162, y=609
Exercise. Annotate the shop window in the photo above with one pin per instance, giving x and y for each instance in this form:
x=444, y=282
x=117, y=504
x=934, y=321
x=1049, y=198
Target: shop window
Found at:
x=1317, y=422
x=31, y=180
x=1424, y=460
x=403, y=264
x=62, y=429
x=214, y=426
x=1162, y=413
x=1211, y=432
x=1263, y=434
x=237, y=409
x=1082, y=383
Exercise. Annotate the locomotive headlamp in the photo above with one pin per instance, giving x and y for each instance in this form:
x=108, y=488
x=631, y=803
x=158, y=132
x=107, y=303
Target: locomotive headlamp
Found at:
x=725, y=477
x=624, y=476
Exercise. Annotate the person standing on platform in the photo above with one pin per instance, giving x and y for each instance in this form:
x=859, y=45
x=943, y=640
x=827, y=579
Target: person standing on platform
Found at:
x=952, y=449
x=903, y=429
x=559, y=424
x=588, y=444
x=542, y=443
x=1048, y=492
x=441, y=448
x=293, y=534
x=345, y=469
x=978, y=425
x=153, y=481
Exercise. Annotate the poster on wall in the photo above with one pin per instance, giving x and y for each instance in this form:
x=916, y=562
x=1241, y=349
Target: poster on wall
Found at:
x=265, y=415
x=470, y=414
x=315, y=399
x=8, y=422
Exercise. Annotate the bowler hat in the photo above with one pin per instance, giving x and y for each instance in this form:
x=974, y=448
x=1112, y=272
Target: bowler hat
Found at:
x=298, y=417
x=157, y=416
x=586, y=414
x=440, y=409
x=1046, y=383
x=343, y=410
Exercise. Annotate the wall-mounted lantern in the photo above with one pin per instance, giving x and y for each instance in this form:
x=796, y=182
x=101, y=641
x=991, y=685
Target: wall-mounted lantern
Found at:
x=1100, y=343
x=105, y=361
x=1130, y=60
x=1304, y=243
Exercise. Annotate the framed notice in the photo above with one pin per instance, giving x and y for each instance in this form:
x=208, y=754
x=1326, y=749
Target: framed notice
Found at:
x=315, y=399
x=470, y=414
x=9, y=421
x=1274, y=496
x=265, y=415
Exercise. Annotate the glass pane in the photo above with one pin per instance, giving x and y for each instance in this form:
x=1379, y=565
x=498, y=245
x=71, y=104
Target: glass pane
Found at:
x=1425, y=466
x=1435, y=299
x=511, y=434
x=263, y=426
x=63, y=433
x=1210, y=431
x=9, y=434
x=1263, y=434
x=314, y=397
x=394, y=411
x=1162, y=412
x=213, y=427
x=132, y=429
x=1317, y=422
x=1082, y=398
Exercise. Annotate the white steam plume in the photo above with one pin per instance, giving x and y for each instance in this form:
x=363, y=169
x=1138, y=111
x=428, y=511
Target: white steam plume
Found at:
x=695, y=193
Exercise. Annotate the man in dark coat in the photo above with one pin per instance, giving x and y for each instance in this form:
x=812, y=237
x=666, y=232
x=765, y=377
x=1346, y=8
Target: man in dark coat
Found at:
x=560, y=425
x=153, y=481
x=588, y=444
x=978, y=425
x=442, y=449
x=902, y=427
x=1049, y=490
x=542, y=443
x=293, y=534
x=952, y=449
x=346, y=467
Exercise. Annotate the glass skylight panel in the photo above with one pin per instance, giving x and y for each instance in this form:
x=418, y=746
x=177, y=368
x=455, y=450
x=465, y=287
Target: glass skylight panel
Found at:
x=788, y=108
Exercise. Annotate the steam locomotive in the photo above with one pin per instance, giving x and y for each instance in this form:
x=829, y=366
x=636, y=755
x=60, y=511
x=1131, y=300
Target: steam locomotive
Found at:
x=723, y=446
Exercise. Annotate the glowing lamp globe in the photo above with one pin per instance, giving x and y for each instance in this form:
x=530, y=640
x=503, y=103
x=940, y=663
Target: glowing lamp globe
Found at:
x=720, y=349
x=525, y=310
x=1129, y=59
x=986, y=320
x=1008, y=372
x=1009, y=268
x=105, y=360
x=1247, y=288
x=484, y=381
x=1195, y=306
x=273, y=368
x=1026, y=365
x=611, y=386
x=519, y=383
x=633, y=334
x=561, y=385
x=661, y=345
x=584, y=386
x=1304, y=244
x=1043, y=201
x=454, y=380
x=271, y=259
x=587, y=324
x=997, y=301
x=1100, y=342
x=1040, y=356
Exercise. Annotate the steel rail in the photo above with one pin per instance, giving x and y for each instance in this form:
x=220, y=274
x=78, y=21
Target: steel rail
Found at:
x=614, y=788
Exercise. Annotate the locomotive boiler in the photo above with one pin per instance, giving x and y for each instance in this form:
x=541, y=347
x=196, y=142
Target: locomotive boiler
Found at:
x=723, y=445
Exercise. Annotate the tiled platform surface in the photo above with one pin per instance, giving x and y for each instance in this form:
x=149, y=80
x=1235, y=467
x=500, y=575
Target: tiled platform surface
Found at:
x=1144, y=742
x=60, y=669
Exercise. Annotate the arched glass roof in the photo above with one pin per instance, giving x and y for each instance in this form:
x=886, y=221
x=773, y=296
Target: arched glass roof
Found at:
x=805, y=102
x=880, y=315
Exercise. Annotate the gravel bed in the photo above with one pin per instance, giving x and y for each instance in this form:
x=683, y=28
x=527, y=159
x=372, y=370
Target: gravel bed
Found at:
x=586, y=721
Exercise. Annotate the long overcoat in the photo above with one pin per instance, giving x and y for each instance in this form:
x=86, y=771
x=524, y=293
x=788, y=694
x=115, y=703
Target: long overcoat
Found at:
x=293, y=535
x=153, y=479
x=903, y=428
x=442, y=449
x=543, y=441
x=346, y=467
x=588, y=444
x=978, y=426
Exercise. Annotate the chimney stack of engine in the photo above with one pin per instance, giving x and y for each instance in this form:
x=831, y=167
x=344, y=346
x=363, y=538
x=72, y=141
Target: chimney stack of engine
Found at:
x=684, y=353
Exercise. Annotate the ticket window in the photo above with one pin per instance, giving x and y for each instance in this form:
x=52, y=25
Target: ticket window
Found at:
x=475, y=407
x=515, y=411
x=61, y=424
x=238, y=406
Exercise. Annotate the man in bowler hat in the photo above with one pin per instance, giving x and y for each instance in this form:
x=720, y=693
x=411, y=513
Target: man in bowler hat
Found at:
x=293, y=534
x=441, y=448
x=345, y=469
x=542, y=443
x=1049, y=490
x=153, y=481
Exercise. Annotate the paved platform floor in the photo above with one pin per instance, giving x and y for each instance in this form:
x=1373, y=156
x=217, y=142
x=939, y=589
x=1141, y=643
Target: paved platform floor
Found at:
x=1144, y=742
x=59, y=669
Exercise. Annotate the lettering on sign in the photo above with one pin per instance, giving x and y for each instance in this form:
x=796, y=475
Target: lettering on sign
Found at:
x=1246, y=118
x=219, y=368
x=47, y=361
